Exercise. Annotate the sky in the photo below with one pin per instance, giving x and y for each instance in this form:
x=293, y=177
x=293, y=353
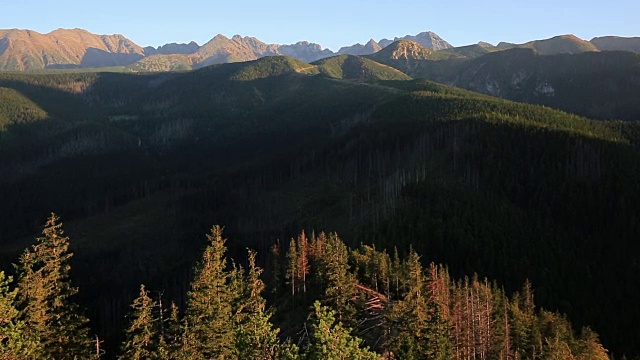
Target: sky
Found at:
x=330, y=23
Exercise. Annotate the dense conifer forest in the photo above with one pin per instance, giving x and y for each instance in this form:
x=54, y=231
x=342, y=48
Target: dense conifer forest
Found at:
x=409, y=172
x=332, y=302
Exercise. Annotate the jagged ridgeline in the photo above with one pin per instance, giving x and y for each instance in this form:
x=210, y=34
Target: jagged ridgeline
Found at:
x=329, y=302
x=142, y=164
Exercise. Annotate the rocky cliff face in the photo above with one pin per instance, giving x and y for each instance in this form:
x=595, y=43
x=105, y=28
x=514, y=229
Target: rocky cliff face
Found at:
x=30, y=50
x=305, y=51
x=428, y=39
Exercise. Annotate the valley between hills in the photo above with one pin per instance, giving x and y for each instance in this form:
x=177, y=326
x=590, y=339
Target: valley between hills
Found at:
x=438, y=202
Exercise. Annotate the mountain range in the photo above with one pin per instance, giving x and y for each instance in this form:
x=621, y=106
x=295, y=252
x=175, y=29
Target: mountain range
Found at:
x=139, y=164
x=77, y=48
x=388, y=147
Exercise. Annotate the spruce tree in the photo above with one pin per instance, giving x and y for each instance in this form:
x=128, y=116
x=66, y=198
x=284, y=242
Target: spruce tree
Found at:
x=170, y=334
x=142, y=338
x=45, y=295
x=255, y=336
x=209, y=332
x=337, y=281
x=13, y=344
x=329, y=340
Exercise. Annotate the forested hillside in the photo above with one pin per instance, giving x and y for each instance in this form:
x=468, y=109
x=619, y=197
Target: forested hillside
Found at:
x=601, y=85
x=141, y=165
x=330, y=302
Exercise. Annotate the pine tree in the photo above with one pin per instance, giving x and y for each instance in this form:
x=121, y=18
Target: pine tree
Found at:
x=44, y=293
x=338, y=283
x=13, y=344
x=209, y=319
x=255, y=336
x=589, y=347
x=142, y=340
x=292, y=268
x=303, y=262
x=170, y=334
x=331, y=341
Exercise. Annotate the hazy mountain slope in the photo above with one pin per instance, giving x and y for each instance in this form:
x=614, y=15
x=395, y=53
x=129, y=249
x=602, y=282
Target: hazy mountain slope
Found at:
x=172, y=49
x=470, y=51
x=563, y=44
x=29, y=50
x=619, y=43
x=358, y=49
x=305, y=51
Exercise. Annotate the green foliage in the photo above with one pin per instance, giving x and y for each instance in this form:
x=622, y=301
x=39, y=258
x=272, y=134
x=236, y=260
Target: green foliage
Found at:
x=255, y=336
x=16, y=108
x=336, y=280
x=209, y=331
x=331, y=341
x=357, y=68
x=271, y=66
x=45, y=293
x=13, y=344
x=142, y=335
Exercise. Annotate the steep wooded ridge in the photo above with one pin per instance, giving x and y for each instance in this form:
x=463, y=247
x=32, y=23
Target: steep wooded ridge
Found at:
x=600, y=85
x=141, y=165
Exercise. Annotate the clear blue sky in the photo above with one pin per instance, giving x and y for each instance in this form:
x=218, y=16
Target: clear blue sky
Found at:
x=330, y=23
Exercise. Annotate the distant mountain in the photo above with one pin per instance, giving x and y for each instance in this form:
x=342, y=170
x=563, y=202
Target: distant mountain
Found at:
x=77, y=48
x=173, y=48
x=305, y=51
x=406, y=55
x=469, y=51
x=617, y=43
x=563, y=44
x=369, y=48
x=428, y=38
x=601, y=85
x=62, y=48
x=221, y=49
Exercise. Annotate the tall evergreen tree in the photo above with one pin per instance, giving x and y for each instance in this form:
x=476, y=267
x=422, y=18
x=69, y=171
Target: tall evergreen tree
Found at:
x=329, y=340
x=170, y=333
x=209, y=332
x=45, y=294
x=13, y=344
x=292, y=268
x=337, y=281
x=255, y=336
x=142, y=340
